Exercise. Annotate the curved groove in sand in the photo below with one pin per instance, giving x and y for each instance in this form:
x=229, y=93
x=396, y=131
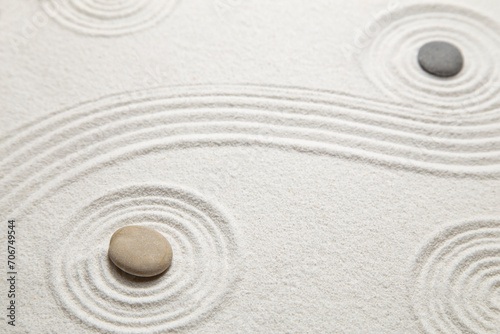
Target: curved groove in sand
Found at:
x=95, y=17
x=51, y=153
x=204, y=267
x=455, y=278
x=390, y=61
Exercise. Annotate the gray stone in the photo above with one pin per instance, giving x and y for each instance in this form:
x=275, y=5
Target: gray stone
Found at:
x=441, y=59
x=140, y=251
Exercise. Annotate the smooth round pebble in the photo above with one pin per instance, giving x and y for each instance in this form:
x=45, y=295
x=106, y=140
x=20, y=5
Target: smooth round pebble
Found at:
x=441, y=59
x=140, y=251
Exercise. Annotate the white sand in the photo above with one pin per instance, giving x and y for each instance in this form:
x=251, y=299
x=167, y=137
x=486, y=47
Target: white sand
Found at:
x=310, y=179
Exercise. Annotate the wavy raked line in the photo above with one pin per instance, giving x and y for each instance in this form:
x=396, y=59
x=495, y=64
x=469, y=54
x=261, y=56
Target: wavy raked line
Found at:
x=56, y=150
x=103, y=18
x=203, y=240
x=457, y=280
x=390, y=61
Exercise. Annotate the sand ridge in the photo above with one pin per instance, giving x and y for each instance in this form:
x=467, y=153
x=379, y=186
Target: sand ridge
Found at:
x=319, y=234
x=108, y=18
x=203, y=271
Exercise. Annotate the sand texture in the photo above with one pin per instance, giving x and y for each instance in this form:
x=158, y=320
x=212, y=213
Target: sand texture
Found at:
x=309, y=176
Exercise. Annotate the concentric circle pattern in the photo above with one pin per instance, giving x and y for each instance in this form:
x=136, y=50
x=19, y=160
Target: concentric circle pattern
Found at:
x=90, y=287
x=457, y=280
x=390, y=60
x=108, y=17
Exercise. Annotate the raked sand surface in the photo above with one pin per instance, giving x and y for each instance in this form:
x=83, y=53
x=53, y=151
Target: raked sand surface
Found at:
x=308, y=174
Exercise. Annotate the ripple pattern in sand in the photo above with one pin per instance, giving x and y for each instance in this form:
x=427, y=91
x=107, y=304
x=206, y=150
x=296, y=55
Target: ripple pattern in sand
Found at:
x=97, y=17
x=457, y=280
x=41, y=158
x=390, y=61
x=90, y=287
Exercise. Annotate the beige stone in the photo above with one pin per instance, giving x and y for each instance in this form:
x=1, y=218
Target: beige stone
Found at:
x=140, y=251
